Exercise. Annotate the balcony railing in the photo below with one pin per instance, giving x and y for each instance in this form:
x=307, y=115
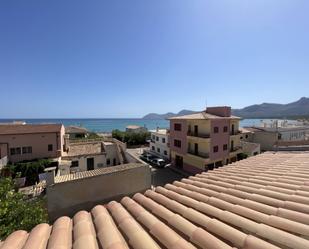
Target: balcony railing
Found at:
x=232, y=133
x=199, y=154
x=197, y=134
x=235, y=149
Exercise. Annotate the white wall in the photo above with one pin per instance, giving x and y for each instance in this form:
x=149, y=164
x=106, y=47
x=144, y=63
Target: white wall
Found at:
x=157, y=143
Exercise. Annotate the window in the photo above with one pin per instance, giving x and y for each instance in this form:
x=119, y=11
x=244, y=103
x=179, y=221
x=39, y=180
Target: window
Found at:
x=27, y=150
x=158, y=150
x=153, y=148
x=157, y=138
x=224, y=146
x=50, y=147
x=153, y=137
x=241, y=137
x=165, y=152
x=100, y=165
x=15, y=151
x=225, y=129
x=216, y=149
x=163, y=140
x=177, y=127
x=246, y=136
x=74, y=164
x=108, y=161
x=177, y=143
x=216, y=129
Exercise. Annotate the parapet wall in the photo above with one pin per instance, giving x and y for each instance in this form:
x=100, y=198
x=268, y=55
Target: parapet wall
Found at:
x=69, y=197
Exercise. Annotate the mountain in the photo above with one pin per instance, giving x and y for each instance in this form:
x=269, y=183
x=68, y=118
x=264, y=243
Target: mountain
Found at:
x=167, y=115
x=271, y=110
x=265, y=110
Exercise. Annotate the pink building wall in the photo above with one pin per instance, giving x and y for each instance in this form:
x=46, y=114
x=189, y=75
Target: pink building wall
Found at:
x=179, y=135
x=39, y=143
x=219, y=139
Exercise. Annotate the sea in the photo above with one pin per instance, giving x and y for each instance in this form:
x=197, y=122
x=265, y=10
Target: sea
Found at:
x=106, y=125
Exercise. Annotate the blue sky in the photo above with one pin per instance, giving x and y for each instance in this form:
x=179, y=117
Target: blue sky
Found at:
x=74, y=58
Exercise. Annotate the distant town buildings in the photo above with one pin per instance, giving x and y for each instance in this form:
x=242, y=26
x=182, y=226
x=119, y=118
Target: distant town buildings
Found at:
x=270, y=137
x=205, y=140
x=159, y=143
x=136, y=128
x=75, y=132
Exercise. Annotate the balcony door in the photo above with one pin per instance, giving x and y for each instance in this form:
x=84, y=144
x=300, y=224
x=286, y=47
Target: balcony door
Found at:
x=195, y=130
x=196, y=149
x=233, y=128
x=232, y=145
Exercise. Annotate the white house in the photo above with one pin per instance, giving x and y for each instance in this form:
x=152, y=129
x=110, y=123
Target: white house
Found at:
x=159, y=143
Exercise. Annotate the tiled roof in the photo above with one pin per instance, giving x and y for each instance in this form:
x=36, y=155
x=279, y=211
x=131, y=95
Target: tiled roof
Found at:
x=96, y=172
x=84, y=148
x=202, y=115
x=75, y=129
x=258, y=203
x=29, y=128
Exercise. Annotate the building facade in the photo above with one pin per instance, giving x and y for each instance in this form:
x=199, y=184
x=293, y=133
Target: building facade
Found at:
x=204, y=140
x=28, y=142
x=159, y=143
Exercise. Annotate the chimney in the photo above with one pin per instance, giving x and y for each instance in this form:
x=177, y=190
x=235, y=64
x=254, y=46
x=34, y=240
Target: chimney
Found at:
x=222, y=111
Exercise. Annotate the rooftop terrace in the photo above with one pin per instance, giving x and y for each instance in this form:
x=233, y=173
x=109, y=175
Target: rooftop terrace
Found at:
x=258, y=203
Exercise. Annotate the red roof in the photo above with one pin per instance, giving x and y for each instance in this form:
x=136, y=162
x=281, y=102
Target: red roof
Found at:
x=29, y=129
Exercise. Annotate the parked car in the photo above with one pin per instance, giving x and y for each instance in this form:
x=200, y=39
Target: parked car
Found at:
x=159, y=162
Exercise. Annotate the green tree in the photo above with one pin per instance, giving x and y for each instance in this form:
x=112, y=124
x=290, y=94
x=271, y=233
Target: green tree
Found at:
x=16, y=212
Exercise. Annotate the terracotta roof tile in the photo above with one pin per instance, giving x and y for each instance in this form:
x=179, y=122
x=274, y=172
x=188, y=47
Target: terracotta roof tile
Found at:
x=257, y=203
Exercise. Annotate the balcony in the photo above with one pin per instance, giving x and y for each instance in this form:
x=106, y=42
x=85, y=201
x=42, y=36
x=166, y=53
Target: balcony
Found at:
x=235, y=149
x=199, y=154
x=233, y=133
x=197, y=134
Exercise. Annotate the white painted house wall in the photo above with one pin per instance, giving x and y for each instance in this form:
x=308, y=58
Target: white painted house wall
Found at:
x=159, y=143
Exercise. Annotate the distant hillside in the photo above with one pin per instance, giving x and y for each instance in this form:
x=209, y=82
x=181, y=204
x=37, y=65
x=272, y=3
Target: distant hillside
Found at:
x=167, y=115
x=270, y=110
x=299, y=108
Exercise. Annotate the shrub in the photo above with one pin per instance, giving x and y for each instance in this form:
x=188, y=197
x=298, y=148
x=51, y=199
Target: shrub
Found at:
x=16, y=212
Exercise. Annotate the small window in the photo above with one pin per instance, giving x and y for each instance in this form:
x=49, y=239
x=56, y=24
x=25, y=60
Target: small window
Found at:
x=158, y=150
x=216, y=129
x=177, y=143
x=165, y=152
x=74, y=164
x=225, y=147
x=163, y=140
x=153, y=148
x=12, y=151
x=241, y=137
x=177, y=127
x=27, y=150
x=225, y=129
x=15, y=151
x=153, y=137
x=157, y=138
x=216, y=149
x=246, y=136
x=108, y=161
x=50, y=147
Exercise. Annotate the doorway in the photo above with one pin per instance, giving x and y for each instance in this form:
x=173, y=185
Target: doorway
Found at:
x=90, y=163
x=179, y=162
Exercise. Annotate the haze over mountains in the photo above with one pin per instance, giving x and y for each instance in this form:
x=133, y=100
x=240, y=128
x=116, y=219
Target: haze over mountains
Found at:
x=264, y=110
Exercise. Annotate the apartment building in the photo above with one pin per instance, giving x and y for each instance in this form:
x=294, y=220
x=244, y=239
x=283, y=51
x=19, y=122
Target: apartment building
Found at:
x=205, y=140
x=159, y=143
x=19, y=142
